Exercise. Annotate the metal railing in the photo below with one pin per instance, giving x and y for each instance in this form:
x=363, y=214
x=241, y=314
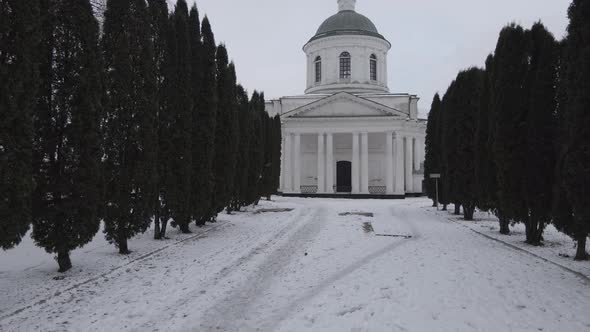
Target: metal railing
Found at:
x=377, y=190
x=373, y=190
x=309, y=189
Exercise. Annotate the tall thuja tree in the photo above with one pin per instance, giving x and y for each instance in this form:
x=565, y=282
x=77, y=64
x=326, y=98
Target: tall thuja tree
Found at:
x=562, y=211
x=442, y=192
x=541, y=125
x=509, y=108
x=19, y=38
x=449, y=138
x=204, y=135
x=485, y=168
x=267, y=171
x=129, y=121
x=574, y=161
x=468, y=95
x=159, y=27
x=432, y=148
x=196, y=80
x=262, y=138
x=489, y=196
x=256, y=149
x=224, y=162
x=234, y=138
x=179, y=106
x=67, y=142
x=241, y=178
x=200, y=165
x=166, y=122
x=276, y=158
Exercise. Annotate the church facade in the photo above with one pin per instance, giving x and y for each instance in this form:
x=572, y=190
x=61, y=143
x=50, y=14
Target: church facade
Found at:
x=348, y=135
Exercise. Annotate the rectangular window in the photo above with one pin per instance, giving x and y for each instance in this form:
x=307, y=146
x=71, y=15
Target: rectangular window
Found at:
x=345, y=67
x=318, y=71
x=373, y=70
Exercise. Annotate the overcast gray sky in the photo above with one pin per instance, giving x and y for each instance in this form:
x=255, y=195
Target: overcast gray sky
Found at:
x=431, y=39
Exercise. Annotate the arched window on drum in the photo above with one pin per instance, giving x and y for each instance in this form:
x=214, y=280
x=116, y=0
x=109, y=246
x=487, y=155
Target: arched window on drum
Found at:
x=345, y=65
x=318, y=69
x=373, y=67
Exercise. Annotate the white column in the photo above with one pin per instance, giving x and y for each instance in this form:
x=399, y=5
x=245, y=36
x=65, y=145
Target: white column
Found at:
x=409, y=166
x=355, y=163
x=321, y=164
x=417, y=154
x=365, y=163
x=399, y=164
x=282, y=174
x=389, y=162
x=288, y=170
x=297, y=164
x=330, y=163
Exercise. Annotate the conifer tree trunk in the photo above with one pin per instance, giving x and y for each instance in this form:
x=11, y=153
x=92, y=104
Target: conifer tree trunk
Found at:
x=504, y=224
x=162, y=235
x=457, y=209
x=534, y=230
x=157, y=225
x=581, y=254
x=63, y=260
x=123, y=246
x=157, y=220
x=529, y=230
x=469, y=211
x=184, y=227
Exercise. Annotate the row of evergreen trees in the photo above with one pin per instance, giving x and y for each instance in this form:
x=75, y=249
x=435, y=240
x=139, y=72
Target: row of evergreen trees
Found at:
x=513, y=138
x=143, y=122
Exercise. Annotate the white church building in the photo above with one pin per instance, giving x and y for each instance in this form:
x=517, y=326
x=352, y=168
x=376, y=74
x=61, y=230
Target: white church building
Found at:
x=348, y=135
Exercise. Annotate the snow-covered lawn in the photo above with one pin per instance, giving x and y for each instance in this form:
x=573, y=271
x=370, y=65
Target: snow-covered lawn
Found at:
x=557, y=247
x=306, y=269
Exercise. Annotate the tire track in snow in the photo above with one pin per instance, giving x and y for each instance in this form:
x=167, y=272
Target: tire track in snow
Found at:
x=171, y=311
x=239, y=300
x=273, y=323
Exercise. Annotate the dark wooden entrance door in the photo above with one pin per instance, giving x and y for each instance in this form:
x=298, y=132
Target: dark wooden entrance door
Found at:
x=343, y=176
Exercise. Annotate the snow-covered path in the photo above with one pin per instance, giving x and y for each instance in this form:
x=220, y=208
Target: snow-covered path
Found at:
x=312, y=269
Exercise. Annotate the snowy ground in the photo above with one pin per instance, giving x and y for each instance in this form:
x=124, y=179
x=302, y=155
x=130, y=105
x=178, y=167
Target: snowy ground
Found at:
x=308, y=269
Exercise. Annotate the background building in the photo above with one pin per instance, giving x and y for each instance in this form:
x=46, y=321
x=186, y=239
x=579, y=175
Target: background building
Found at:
x=348, y=134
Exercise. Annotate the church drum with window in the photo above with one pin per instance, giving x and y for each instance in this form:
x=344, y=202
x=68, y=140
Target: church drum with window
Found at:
x=348, y=135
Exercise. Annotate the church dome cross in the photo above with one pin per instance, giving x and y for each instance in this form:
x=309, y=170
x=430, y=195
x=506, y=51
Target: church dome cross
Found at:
x=346, y=5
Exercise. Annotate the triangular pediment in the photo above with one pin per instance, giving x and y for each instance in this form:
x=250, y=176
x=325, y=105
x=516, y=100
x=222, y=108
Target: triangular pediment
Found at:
x=343, y=105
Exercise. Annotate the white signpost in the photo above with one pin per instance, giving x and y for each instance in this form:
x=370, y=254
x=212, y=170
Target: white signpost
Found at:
x=436, y=177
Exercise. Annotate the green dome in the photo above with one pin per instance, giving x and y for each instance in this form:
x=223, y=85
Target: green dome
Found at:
x=347, y=22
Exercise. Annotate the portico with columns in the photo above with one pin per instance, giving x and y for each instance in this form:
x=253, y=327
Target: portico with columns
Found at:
x=348, y=135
